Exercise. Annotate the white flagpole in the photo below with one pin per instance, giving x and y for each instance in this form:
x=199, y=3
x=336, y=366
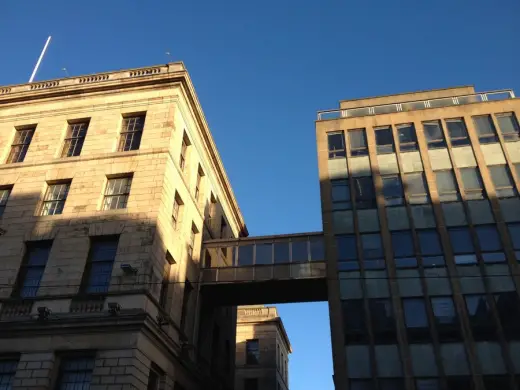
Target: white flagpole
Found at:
x=39, y=59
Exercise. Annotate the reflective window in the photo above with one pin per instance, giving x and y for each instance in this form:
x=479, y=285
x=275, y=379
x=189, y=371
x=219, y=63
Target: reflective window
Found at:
x=75, y=373
x=485, y=129
x=447, y=186
x=347, y=252
x=504, y=185
x=472, y=182
x=462, y=245
x=245, y=255
x=336, y=142
x=281, y=252
x=340, y=194
x=358, y=142
x=489, y=241
x=429, y=242
x=55, y=197
x=364, y=192
x=384, y=140
x=32, y=268
x=415, y=185
x=354, y=325
x=514, y=232
x=5, y=192
x=407, y=137
x=508, y=307
x=299, y=251
x=508, y=124
x=382, y=317
x=434, y=135
x=117, y=193
x=402, y=244
x=264, y=254
x=317, y=249
x=457, y=131
x=392, y=190
x=480, y=317
x=372, y=250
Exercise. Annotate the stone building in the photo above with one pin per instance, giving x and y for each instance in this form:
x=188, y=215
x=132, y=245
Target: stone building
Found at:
x=262, y=350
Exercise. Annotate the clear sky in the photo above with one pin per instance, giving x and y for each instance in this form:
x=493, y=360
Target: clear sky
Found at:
x=261, y=70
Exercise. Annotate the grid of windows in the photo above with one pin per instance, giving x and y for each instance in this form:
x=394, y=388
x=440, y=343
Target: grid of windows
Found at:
x=336, y=143
x=75, y=373
x=98, y=270
x=7, y=373
x=131, y=133
x=5, y=192
x=75, y=138
x=117, y=192
x=31, y=272
x=358, y=143
x=22, y=140
x=485, y=129
x=55, y=197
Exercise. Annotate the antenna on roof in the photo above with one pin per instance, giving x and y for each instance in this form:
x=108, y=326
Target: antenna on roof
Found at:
x=39, y=60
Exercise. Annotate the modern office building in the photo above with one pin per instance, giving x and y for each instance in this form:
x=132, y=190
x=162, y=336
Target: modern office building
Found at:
x=262, y=350
x=421, y=218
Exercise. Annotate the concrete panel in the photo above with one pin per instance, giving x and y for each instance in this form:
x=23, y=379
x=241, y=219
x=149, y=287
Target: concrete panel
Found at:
x=409, y=283
x=490, y=356
x=423, y=360
x=513, y=149
x=480, y=212
x=388, y=361
x=493, y=154
x=510, y=209
x=423, y=216
x=343, y=221
x=464, y=157
x=337, y=168
x=454, y=359
x=437, y=281
x=454, y=214
x=376, y=284
x=358, y=361
x=387, y=164
x=397, y=218
x=368, y=220
x=439, y=159
x=411, y=162
x=360, y=166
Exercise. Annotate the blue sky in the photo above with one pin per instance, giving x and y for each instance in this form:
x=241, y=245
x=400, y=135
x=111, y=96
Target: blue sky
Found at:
x=262, y=70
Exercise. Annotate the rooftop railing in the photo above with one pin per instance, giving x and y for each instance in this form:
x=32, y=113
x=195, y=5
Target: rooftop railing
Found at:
x=416, y=105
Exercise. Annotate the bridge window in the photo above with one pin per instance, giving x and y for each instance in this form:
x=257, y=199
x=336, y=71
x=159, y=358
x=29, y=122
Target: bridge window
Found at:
x=245, y=255
x=347, y=253
x=299, y=251
x=317, y=249
x=264, y=254
x=281, y=252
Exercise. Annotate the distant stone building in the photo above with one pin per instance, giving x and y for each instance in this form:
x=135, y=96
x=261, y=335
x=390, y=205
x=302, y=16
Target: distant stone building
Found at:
x=262, y=350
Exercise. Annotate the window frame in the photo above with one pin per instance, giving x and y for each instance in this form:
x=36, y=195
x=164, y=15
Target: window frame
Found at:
x=87, y=287
x=358, y=151
x=5, y=194
x=408, y=146
x=509, y=136
x=488, y=138
x=473, y=193
x=384, y=148
x=75, y=138
x=28, y=266
x=122, y=197
x=334, y=153
x=415, y=198
x=22, y=139
x=437, y=143
x=458, y=141
x=51, y=206
x=135, y=134
x=393, y=200
x=450, y=195
x=508, y=191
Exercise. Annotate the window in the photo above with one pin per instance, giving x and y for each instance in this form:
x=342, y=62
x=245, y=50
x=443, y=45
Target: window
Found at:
x=347, y=253
x=485, y=129
x=154, y=376
x=131, y=133
x=165, y=284
x=223, y=227
x=98, y=270
x=184, y=152
x=5, y=192
x=427, y=384
x=76, y=133
x=517, y=170
x=177, y=210
x=250, y=384
x=391, y=384
x=336, y=142
x=7, y=372
x=508, y=308
x=434, y=135
x=373, y=257
x=32, y=268
x=354, y=325
x=508, y=125
x=407, y=137
x=191, y=244
x=117, y=192
x=55, y=198
x=431, y=249
x=22, y=140
x=415, y=185
x=514, y=233
x=404, y=253
x=490, y=245
x=358, y=143
x=212, y=211
x=392, y=190
x=462, y=246
x=340, y=195
x=472, y=182
x=252, y=352
x=447, y=186
x=383, y=324
x=200, y=173
x=416, y=319
x=188, y=289
x=384, y=140
x=480, y=317
x=458, y=132
x=494, y=382
x=445, y=317
x=361, y=384
x=504, y=184
x=75, y=372
x=364, y=192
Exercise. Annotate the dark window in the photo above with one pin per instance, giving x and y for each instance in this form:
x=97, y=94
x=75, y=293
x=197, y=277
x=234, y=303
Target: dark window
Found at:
x=131, y=133
x=508, y=307
x=391, y=384
x=5, y=192
x=429, y=242
x=407, y=137
x=383, y=324
x=504, y=184
x=384, y=140
x=340, y=194
x=165, y=284
x=32, y=268
x=462, y=245
x=404, y=253
x=55, y=197
x=336, y=143
x=188, y=289
x=447, y=186
x=434, y=135
x=354, y=324
x=459, y=383
x=472, y=182
x=347, y=253
x=184, y=152
x=445, y=317
x=154, y=377
x=415, y=185
x=75, y=372
x=364, y=192
x=490, y=245
x=191, y=244
x=76, y=133
x=7, y=373
x=252, y=352
x=372, y=247
x=485, y=129
x=117, y=192
x=358, y=142
x=361, y=384
x=508, y=125
x=480, y=317
x=457, y=131
x=100, y=262
x=416, y=319
x=250, y=384
x=200, y=173
x=496, y=382
x=514, y=232
x=427, y=384
x=392, y=190
x=22, y=140
x=177, y=210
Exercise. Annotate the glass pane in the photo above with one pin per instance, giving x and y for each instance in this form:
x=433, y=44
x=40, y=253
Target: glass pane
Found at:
x=264, y=254
x=429, y=242
x=514, y=232
x=407, y=137
x=402, y=244
x=471, y=179
x=416, y=187
x=445, y=181
x=364, y=190
x=415, y=313
x=433, y=134
x=245, y=255
x=340, y=191
x=461, y=240
x=38, y=253
x=299, y=251
x=484, y=125
x=501, y=176
x=508, y=126
x=336, y=143
x=444, y=310
x=281, y=252
x=317, y=249
x=104, y=250
x=457, y=131
x=357, y=139
x=479, y=311
x=372, y=246
x=346, y=247
x=392, y=190
x=488, y=238
x=384, y=140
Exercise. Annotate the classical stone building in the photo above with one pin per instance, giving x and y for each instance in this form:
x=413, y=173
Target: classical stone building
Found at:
x=262, y=350
x=108, y=185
